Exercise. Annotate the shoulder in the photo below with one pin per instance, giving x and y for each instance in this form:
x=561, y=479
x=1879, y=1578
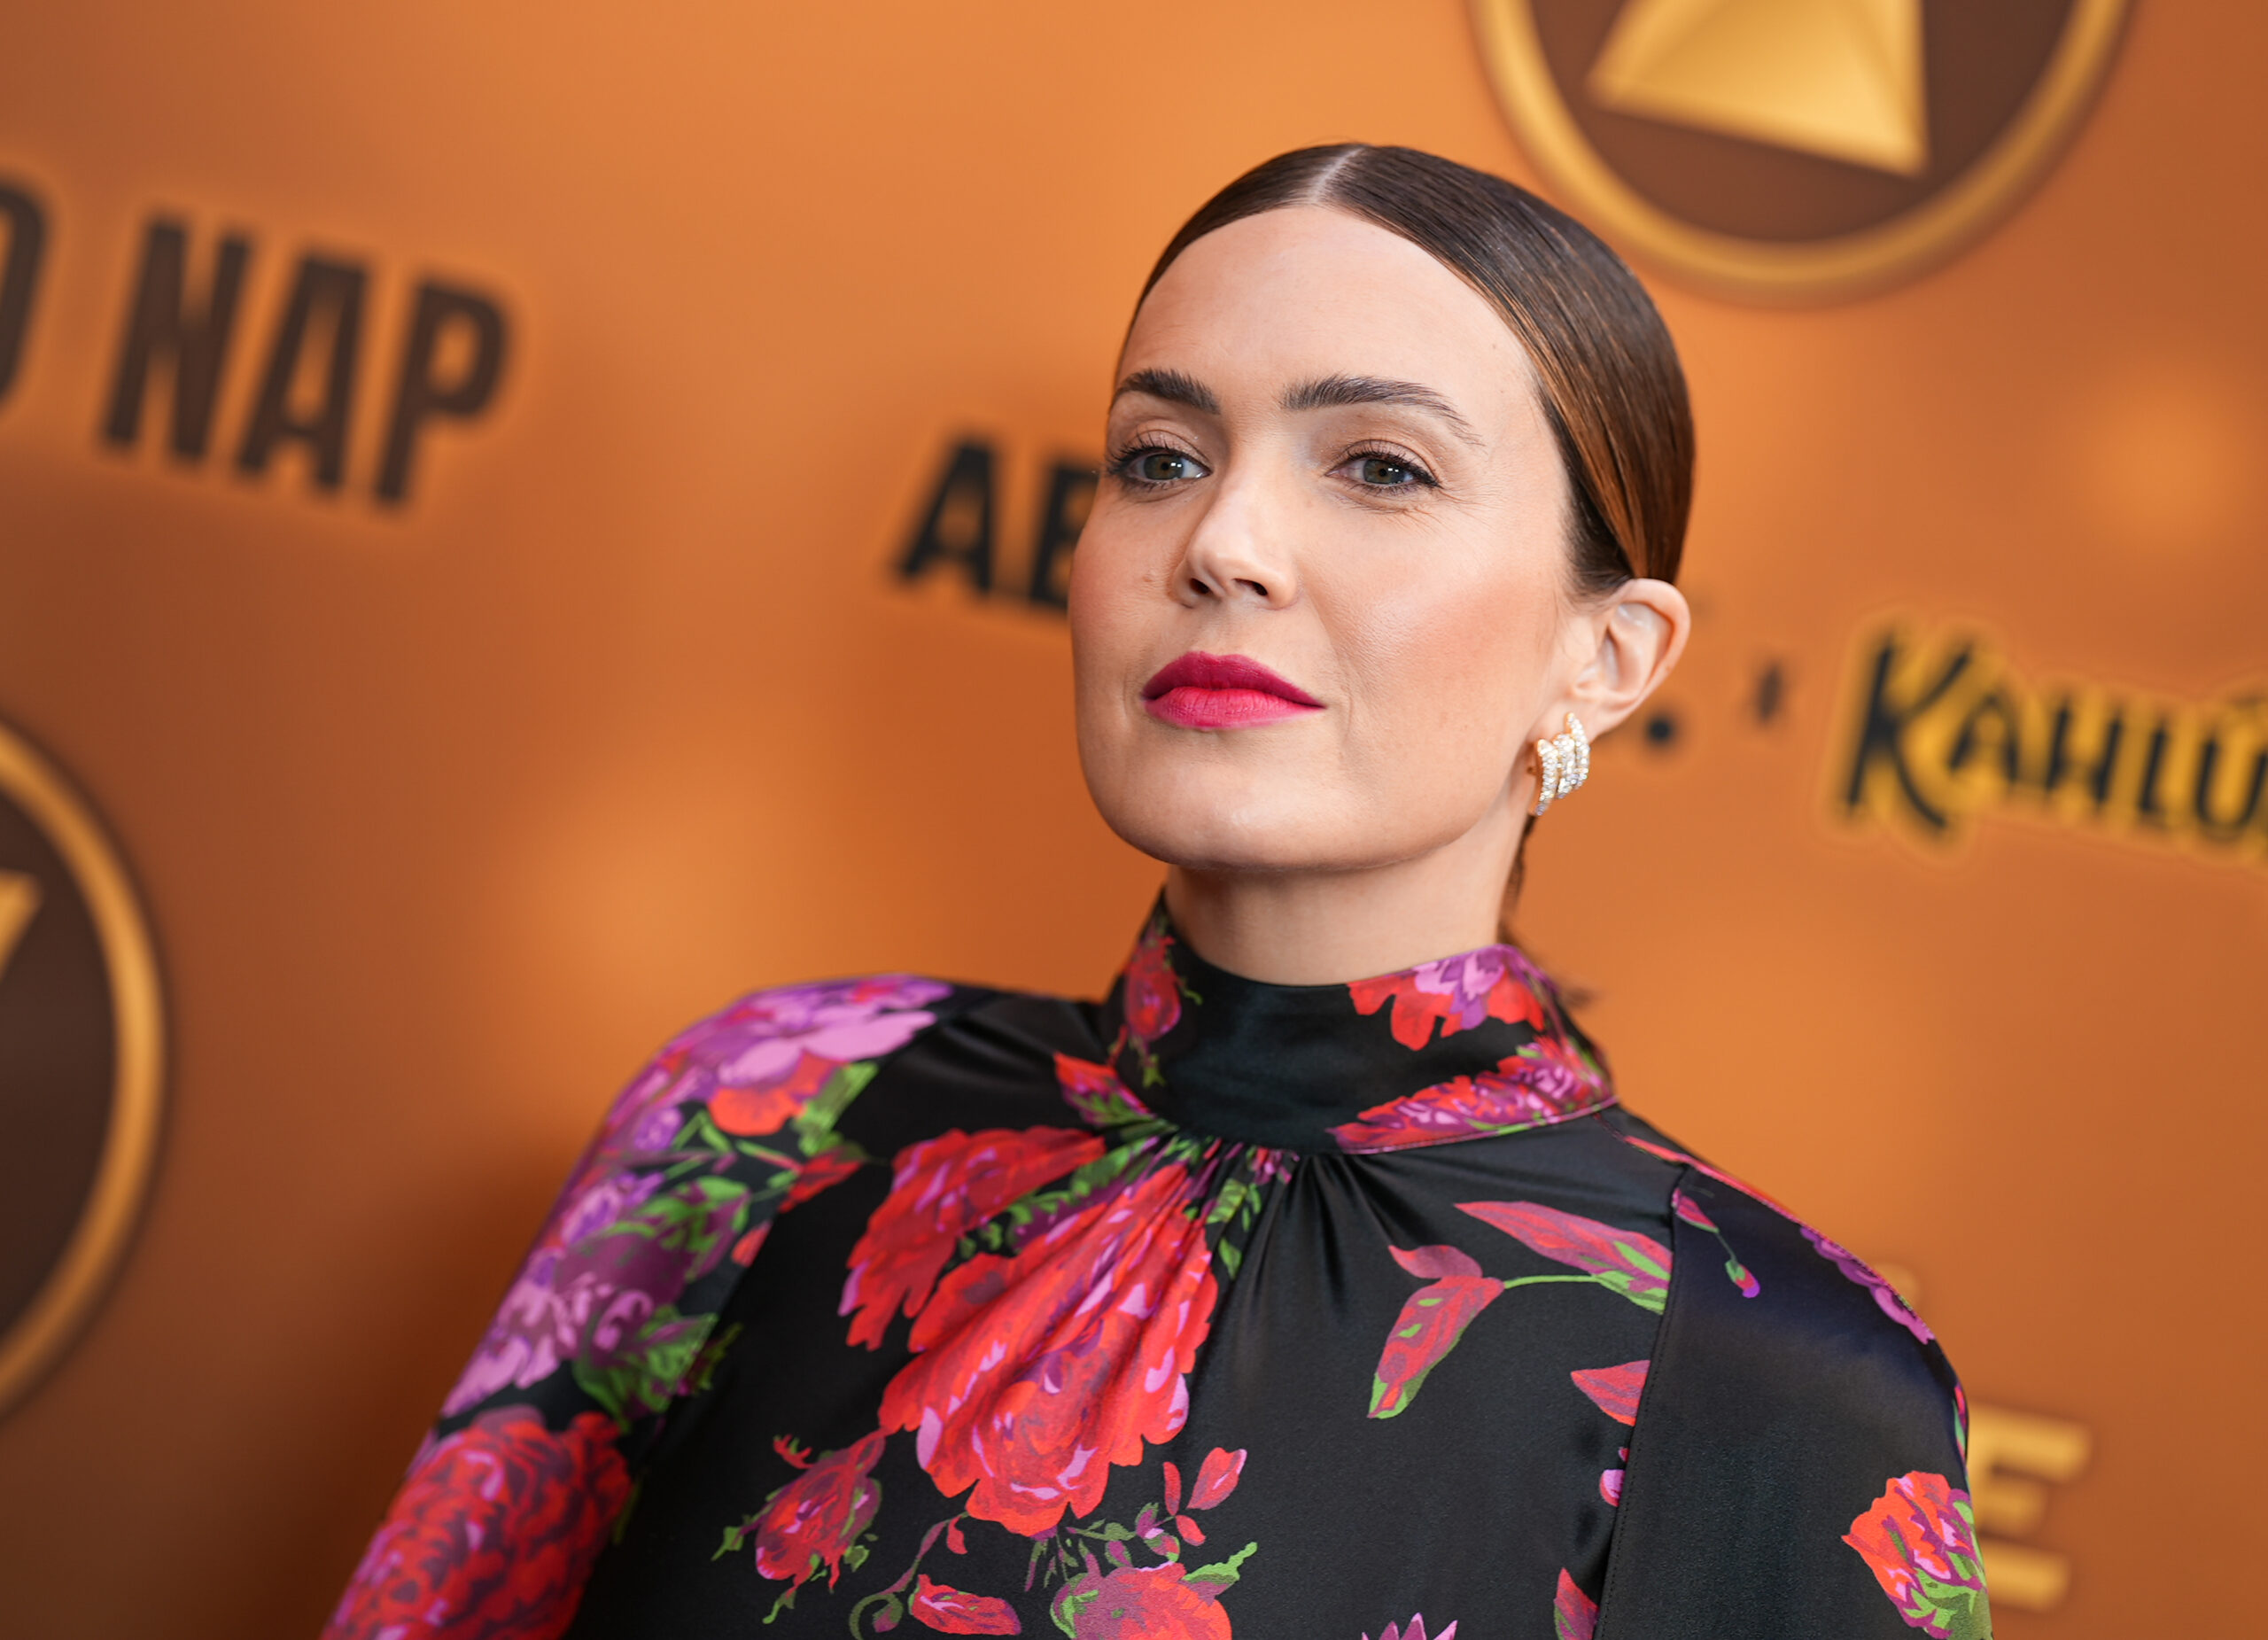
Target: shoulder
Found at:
x=1794, y=1397
x=762, y=1061
x=1753, y=1279
x=767, y=1034
x=614, y=1315
x=1820, y=1295
x=889, y=1058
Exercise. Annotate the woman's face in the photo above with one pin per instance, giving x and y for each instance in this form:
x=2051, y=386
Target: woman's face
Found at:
x=1322, y=603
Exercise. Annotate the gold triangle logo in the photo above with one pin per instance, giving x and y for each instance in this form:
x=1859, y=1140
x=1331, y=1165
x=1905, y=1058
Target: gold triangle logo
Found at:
x=1841, y=79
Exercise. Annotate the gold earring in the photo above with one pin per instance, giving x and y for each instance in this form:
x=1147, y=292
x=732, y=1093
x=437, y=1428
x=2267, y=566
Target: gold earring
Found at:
x=1562, y=763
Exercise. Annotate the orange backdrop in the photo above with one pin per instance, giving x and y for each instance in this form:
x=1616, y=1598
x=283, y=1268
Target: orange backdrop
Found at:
x=447, y=811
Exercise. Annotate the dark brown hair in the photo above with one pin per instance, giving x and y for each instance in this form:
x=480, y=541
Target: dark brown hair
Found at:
x=1607, y=367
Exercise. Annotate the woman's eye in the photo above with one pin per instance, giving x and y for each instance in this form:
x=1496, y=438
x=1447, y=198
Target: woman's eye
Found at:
x=1383, y=473
x=1164, y=467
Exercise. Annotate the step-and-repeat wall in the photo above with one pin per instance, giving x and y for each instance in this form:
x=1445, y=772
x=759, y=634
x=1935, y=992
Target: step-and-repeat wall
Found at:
x=519, y=522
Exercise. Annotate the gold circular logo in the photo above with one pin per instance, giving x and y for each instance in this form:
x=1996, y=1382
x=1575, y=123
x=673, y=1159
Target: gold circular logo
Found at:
x=1796, y=149
x=81, y=1064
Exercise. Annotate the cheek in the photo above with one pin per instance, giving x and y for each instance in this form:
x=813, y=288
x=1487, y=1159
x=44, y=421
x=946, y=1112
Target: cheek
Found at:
x=1450, y=674
x=1099, y=568
x=1114, y=610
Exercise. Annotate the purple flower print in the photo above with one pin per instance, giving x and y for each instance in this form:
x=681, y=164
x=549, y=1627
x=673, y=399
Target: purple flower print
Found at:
x=656, y=1129
x=610, y=1200
x=747, y=1052
x=556, y=1296
x=1469, y=980
x=616, y=1254
x=761, y=1038
x=535, y=1329
x=643, y=1122
x=1544, y=1082
x=589, y=1297
x=1494, y=982
x=1886, y=1296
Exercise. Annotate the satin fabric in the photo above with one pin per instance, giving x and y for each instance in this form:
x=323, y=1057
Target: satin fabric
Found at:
x=1217, y=1307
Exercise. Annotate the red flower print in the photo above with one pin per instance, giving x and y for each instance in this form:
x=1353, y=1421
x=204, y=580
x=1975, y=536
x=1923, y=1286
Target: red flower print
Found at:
x=941, y=1189
x=829, y=1167
x=1635, y=1265
x=1459, y=992
x=1919, y=1539
x=1096, y=1092
x=1544, y=1082
x=1038, y=1372
x=950, y=1612
x=1615, y=1390
x=810, y=1522
x=1415, y=1629
x=1152, y=988
x=1432, y=1321
x=1216, y=1478
x=1573, y=1614
x=1142, y=1603
x=765, y=1108
x=492, y=1536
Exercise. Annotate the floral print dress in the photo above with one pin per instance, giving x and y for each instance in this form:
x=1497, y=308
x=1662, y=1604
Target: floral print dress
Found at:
x=1341, y=1312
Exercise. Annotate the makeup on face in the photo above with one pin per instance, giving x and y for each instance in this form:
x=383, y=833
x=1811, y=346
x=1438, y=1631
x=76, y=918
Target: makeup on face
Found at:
x=1201, y=691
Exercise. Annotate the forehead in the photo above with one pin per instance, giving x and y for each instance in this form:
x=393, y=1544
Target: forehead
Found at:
x=1311, y=291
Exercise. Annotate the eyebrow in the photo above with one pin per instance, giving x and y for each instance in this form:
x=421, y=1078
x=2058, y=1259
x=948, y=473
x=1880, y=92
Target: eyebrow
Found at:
x=1330, y=392
x=1172, y=386
x=1325, y=393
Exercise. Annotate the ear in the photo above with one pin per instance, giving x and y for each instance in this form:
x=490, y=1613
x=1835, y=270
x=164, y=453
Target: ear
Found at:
x=1635, y=638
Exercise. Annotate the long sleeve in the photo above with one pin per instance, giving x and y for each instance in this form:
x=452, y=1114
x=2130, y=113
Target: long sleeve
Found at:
x=613, y=1316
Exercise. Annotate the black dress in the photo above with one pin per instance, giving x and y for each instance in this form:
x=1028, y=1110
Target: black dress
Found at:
x=1221, y=1308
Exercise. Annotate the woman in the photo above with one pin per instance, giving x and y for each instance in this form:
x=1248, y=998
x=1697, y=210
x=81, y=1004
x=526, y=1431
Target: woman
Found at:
x=1313, y=1284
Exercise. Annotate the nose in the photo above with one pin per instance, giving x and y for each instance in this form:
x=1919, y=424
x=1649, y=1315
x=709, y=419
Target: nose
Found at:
x=1240, y=553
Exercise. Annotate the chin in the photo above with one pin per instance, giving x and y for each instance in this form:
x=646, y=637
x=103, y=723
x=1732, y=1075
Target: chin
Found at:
x=1247, y=836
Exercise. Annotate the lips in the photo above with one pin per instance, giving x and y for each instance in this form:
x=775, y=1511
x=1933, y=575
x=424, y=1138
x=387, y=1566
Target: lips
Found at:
x=1201, y=691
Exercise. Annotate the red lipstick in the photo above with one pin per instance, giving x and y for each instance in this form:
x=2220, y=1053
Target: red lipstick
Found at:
x=1201, y=691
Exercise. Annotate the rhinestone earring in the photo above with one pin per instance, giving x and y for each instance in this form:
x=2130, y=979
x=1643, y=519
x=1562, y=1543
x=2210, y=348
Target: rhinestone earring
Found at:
x=1562, y=763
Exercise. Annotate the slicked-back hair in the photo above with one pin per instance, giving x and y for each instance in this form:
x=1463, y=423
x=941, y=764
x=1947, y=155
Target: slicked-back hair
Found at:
x=1611, y=381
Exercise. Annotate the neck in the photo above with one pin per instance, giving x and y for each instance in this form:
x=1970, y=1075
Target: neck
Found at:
x=1327, y=928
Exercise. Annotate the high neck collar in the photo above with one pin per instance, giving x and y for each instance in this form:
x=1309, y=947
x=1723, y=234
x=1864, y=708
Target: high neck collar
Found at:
x=1467, y=1047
